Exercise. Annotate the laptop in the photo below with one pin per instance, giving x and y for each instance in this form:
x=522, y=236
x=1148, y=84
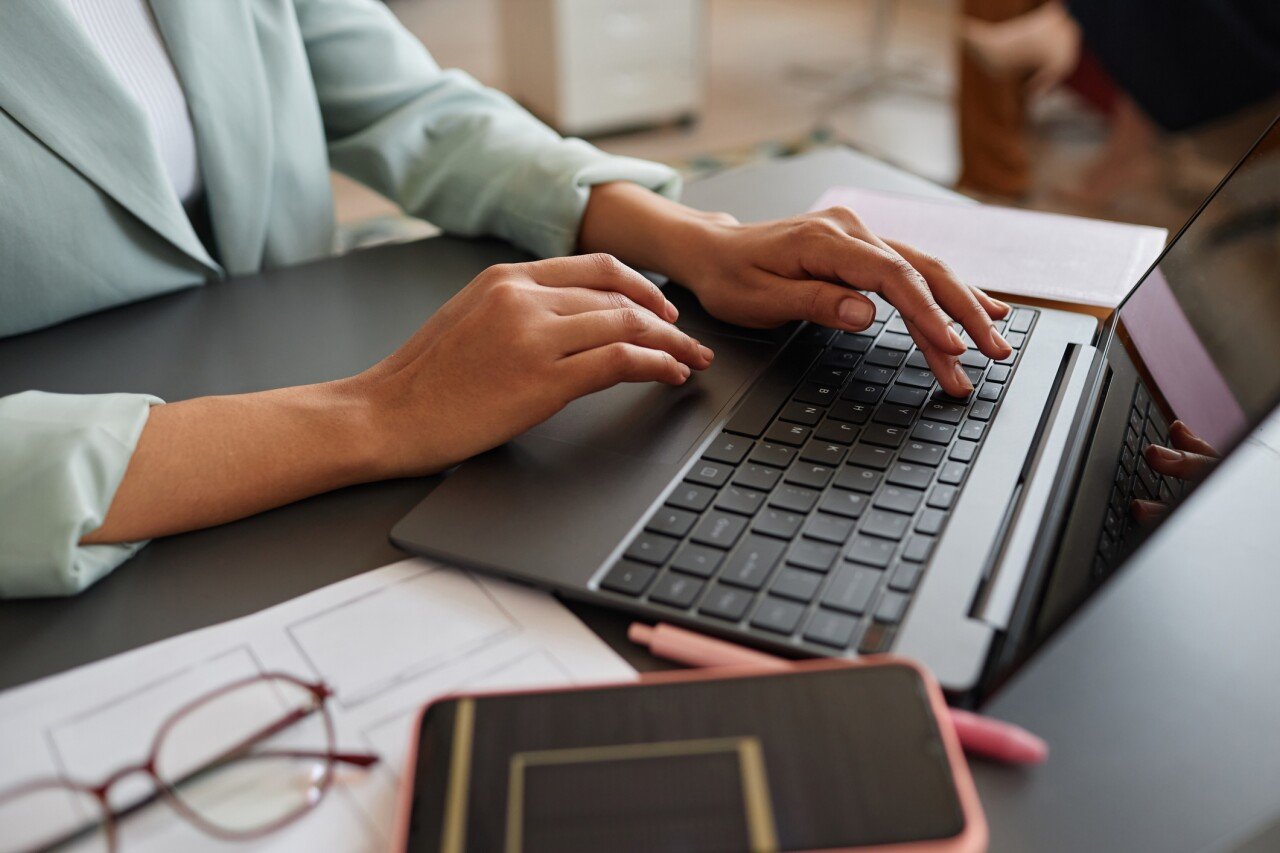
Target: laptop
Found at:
x=814, y=493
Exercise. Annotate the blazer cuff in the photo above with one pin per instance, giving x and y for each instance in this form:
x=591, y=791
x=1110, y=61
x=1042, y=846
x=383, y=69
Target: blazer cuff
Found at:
x=551, y=197
x=62, y=457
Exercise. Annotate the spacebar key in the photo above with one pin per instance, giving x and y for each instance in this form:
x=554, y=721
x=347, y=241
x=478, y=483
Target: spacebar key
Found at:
x=756, y=410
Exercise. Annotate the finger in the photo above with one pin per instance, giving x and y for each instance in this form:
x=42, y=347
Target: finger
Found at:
x=1184, y=439
x=603, y=272
x=821, y=302
x=956, y=299
x=595, y=329
x=1182, y=464
x=606, y=366
x=946, y=368
x=1145, y=512
x=994, y=307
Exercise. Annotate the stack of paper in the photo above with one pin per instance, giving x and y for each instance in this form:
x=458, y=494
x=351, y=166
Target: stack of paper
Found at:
x=1026, y=253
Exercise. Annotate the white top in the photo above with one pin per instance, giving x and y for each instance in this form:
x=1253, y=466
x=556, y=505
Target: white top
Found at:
x=125, y=32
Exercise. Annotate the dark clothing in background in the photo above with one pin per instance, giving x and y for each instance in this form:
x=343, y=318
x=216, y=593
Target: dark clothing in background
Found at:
x=1186, y=62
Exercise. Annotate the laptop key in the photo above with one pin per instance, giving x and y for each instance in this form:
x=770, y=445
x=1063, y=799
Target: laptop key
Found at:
x=812, y=392
x=917, y=360
x=886, y=525
x=726, y=602
x=898, y=342
x=982, y=410
x=651, y=548
x=697, y=560
x=872, y=551
x=777, y=616
x=868, y=456
x=829, y=528
x=836, y=432
x=858, y=479
x=916, y=377
x=910, y=475
x=874, y=373
x=809, y=475
x=708, y=473
x=943, y=496
x=999, y=373
x=719, y=529
x=964, y=451
x=784, y=433
x=628, y=578
x=850, y=412
x=894, y=415
x=805, y=414
x=760, y=477
x=823, y=452
x=740, y=499
x=878, y=637
x=952, y=473
x=930, y=522
x=671, y=521
x=826, y=375
x=949, y=413
x=917, y=548
x=905, y=395
x=861, y=392
x=990, y=391
x=851, y=589
x=891, y=608
x=728, y=448
x=796, y=584
x=812, y=555
x=1016, y=339
x=972, y=430
x=933, y=431
x=839, y=359
x=1021, y=320
x=778, y=522
x=773, y=455
x=830, y=629
x=885, y=436
x=676, y=589
x=840, y=502
x=793, y=498
x=885, y=357
x=973, y=358
x=905, y=576
x=922, y=453
x=691, y=496
x=854, y=341
x=749, y=565
x=898, y=499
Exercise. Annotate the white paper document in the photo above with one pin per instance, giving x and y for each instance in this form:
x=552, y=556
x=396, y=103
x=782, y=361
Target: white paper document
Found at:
x=386, y=642
x=1023, y=252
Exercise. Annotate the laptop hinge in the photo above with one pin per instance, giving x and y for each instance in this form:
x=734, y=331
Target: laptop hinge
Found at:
x=998, y=593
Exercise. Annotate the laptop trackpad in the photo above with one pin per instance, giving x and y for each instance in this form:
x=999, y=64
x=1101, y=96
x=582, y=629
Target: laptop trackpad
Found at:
x=647, y=420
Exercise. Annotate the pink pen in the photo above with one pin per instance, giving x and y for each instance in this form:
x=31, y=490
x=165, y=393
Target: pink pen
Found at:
x=979, y=735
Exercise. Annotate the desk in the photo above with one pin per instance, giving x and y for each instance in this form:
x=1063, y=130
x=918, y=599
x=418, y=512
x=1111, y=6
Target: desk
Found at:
x=1162, y=741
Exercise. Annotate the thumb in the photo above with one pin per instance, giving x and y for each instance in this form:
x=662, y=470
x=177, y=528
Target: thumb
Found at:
x=832, y=305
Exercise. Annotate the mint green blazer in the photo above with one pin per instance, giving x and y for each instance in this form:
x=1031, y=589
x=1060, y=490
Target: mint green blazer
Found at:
x=279, y=91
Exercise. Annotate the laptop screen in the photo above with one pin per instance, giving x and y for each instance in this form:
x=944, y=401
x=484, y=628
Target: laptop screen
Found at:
x=1203, y=327
x=1198, y=341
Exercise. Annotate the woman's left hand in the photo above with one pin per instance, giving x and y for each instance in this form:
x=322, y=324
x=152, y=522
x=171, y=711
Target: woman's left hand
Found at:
x=812, y=267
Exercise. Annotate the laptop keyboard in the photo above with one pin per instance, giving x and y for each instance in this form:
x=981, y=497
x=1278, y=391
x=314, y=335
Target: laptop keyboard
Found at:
x=1134, y=480
x=812, y=517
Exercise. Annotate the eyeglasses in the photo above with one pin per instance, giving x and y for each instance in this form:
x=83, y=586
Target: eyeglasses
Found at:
x=238, y=763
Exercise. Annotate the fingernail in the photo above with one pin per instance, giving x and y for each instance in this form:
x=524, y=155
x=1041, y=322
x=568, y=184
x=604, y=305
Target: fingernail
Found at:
x=706, y=352
x=1004, y=306
x=962, y=378
x=957, y=342
x=673, y=313
x=998, y=342
x=685, y=371
x=856, y=313
x=1164, y=454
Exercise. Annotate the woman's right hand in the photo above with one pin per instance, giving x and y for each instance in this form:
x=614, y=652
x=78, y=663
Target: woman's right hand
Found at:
x=514, y=347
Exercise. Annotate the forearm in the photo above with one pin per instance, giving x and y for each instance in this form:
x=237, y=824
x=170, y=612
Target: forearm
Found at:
x=215, y=459
x=646, y=230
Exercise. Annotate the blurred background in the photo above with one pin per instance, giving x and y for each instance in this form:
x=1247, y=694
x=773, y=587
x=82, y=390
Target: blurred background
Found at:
x=1003, y=99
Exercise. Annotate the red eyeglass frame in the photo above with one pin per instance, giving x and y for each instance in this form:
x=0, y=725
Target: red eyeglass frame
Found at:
x=164, y=790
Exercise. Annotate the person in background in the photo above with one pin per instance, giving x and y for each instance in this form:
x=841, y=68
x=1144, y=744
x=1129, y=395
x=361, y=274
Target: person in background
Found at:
x=1149, y=67
x=146, y=147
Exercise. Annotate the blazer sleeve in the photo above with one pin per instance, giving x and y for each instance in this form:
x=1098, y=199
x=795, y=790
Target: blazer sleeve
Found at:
x=62, y=456
x=445, y=148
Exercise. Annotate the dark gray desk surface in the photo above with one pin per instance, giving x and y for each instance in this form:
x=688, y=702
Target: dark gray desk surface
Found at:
x=1160, y=699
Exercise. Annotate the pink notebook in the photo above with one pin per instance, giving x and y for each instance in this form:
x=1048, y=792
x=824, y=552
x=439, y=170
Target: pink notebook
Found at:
x=1048, y=255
